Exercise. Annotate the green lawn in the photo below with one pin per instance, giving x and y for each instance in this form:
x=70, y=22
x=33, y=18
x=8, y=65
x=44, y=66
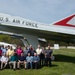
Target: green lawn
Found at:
x=64, y=64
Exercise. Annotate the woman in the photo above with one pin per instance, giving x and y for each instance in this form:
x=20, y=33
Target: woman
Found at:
x=19, y=51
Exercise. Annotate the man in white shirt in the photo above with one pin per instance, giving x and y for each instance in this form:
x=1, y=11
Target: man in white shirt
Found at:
x=39, y=50
x=39, y=53
x=4, y=60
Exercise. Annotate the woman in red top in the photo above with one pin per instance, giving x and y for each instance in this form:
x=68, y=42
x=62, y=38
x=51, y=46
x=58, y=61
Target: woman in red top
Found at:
x=0, y=55
x=19, y=51
x=0, y=52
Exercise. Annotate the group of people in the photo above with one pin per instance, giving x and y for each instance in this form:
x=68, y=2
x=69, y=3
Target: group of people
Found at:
x=28, y=57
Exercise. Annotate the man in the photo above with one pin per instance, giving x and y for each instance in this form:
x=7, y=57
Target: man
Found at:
x=4, y=60
x=13, y=60
x=29, y=61
x=36, y=60
x=31, y=50
x=21, y=60
x=10, y=51
x=4, y=50
x=48, y=55
x=39, y=53
x=25, y=51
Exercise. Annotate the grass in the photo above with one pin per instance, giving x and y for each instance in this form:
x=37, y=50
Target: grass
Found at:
x=64, y=64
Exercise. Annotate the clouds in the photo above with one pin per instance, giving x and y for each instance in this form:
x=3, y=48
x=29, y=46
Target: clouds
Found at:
x=45, y=11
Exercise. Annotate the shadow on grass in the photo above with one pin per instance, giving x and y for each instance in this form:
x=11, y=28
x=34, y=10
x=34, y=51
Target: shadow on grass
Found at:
x=53, y=65
x=64, y=58
x=52, y=74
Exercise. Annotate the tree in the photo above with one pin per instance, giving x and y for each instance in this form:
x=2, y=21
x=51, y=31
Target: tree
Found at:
x=8, y=39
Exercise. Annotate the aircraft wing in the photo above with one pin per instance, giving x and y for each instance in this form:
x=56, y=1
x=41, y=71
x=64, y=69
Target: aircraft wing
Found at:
x=63, y=30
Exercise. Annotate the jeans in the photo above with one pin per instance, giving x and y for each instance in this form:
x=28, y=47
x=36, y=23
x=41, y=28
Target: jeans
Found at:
x=29, y=63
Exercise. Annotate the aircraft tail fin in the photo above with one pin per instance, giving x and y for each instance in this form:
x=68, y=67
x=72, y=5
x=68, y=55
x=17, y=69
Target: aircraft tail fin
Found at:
x=68, y=21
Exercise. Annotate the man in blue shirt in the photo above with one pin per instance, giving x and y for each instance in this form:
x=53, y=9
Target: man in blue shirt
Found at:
x=29, y=60
x=21, y=60
x=4, y=50
x=36, y=60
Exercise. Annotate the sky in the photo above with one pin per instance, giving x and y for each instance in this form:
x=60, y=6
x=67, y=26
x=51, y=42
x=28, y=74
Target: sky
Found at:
x=43, y=11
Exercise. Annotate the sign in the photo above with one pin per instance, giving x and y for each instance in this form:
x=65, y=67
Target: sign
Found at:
x=56, y=46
